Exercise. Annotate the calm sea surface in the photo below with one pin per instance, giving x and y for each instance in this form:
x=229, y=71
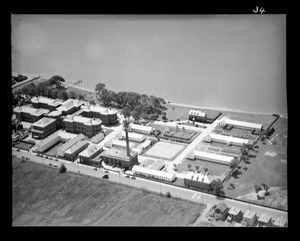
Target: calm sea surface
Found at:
x=227, y=61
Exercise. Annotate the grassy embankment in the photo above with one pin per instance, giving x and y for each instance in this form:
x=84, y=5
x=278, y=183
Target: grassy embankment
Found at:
x=41, y=196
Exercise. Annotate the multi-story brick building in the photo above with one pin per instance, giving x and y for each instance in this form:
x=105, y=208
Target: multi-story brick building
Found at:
x=84, y=125
x=29, y=114
x=108, y=116
x=46, y=103
x=70, y=106
x=118, y=157
x=89, y=153
x=43, y=128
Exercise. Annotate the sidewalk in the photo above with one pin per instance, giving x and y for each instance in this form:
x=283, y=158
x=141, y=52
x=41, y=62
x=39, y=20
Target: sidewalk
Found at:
x=203, y=215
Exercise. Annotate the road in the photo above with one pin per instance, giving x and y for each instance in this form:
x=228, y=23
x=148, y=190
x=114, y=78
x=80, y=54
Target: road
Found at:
x=154, y=186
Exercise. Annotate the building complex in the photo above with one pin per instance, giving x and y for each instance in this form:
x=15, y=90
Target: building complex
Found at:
x=199, y=180
x=43, y=128
x=108, y=116
x=240, y=124
x=212, y=157
x=147, y=172
x=228, y=140
x=29, y=114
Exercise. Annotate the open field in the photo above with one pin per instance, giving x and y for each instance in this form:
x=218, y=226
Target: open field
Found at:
x=260, y=169
x=42, y=196
x=165, y=150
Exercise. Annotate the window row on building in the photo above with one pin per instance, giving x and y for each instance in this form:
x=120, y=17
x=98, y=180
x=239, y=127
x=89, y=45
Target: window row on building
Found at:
x=153, y=173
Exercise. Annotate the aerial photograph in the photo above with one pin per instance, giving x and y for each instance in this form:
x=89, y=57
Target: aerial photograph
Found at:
x=149, y=120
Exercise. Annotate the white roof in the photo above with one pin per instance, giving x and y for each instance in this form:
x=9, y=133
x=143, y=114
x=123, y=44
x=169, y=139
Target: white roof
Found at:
x=134, y=135
x=213, y=156
x=84, y=120
x=66, y=135
x=55, y=113
x=197, y=113
x=144, y=144
x=229, y=138
x=249, y=214
x=88, y=152
x=122, y=143
x=99, y=109
x=70, y=103
x=243, y=123
x=45, y=121
x=140, y=127
x=281, y=222
x=26, y=125
x=30, y=110
x=200, y=177
x=153, y=172
x=76, y=146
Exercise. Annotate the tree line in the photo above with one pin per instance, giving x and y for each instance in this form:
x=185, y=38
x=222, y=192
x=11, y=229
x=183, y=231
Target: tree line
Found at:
x=131, y=103
x=50, y=88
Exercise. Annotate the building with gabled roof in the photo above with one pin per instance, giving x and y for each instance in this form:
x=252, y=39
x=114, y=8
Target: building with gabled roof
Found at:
x=68, y=144
x=70, y=106
x=72, y=152
x=228, y=140
x=165, y=176
x=280, y=222
x=43, y=128
x=197, y=115
x=240, y=124
x=49, y=141
x=212, y=157
x=141, y=129
x=134, y=136
x=221, y=211
x=265, y=220
x=98, y=138
x=199, y=180
x=89, y=153
x=235, y=214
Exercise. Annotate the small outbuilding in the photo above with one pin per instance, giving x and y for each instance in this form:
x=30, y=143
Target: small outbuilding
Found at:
x=280, y=222
x=221, y=211
x=235, y=214
x=265, y=220
x=249, y=218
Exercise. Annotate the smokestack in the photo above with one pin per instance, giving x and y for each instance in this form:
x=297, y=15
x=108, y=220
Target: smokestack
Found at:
x=127, y=143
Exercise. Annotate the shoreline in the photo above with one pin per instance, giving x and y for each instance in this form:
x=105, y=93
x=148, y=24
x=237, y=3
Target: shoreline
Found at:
x=42, y=76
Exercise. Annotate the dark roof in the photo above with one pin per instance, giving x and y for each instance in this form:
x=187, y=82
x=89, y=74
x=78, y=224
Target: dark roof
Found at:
x=222, y=207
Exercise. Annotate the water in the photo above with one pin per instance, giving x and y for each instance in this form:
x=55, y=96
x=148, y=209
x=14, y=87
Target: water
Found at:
x=233, y=62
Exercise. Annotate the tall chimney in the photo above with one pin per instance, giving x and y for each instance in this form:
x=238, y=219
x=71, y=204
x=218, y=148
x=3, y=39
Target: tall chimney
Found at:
x=127, y=139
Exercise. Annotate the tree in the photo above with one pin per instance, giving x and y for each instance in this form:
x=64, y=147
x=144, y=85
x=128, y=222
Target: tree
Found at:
x=80, y=97
x=217, y=187
x=99, y=88
x=164, y=118
x=62, y=168
x=168, y=194
x=189, y=165
x=62, y=94
x=233, y=164
x=72, y=94
x=54, y=94
x=197, y=168
x=92, y=102
x=126, y=112
x=136, y=114
x=205, y=169
x=56, y=80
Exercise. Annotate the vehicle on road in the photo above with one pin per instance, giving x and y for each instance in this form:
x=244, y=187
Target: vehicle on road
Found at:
x=95, y=168
x=105, y=176
x=127, y=176
x=27, y=158
x=106, y=171
x=56, y=159
x=132, y=177
x=55, y=165
x=46, y=157
x=50, y=164
x=18, y=150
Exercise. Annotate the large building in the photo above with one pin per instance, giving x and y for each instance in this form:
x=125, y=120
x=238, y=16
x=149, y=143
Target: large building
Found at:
x=134, y=136
x=72, y=152
x=61, y=150
x=70, y=106
x=43, y=128
x=212, y=157
x=141, y=129
x=29, y=114
x=199, y=180
x=147, y=172
x=241, y=124
x=197, y=115
x=98, y=138
x=46, y=103
x=228, y=140
x=89, y=153
x=118, y=157
x=58, y=116
x=121, y=144
x=48, y=142
x=84, y=125
x=108, y=116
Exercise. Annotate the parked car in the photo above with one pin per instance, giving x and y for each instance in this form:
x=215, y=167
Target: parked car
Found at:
x=105, y=176
x=95, y=168
x=55, y=165
x=127, y=176
x=132, y=177
x=56, y=159
x=106, y=171
x=50, y=164
x=18, y=150
x=27, y=158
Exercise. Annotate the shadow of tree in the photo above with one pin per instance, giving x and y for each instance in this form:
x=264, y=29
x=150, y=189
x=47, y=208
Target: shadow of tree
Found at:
x=236, y=174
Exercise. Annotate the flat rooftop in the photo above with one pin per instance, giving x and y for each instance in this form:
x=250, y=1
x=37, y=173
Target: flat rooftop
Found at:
x=30, y=110
x=142, y=128
x=229, y=138
x=243, y=123
x=119, y=153
x=213, y=156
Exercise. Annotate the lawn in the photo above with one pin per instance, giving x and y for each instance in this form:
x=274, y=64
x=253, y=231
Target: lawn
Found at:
x=42, y=196
x=213, y=168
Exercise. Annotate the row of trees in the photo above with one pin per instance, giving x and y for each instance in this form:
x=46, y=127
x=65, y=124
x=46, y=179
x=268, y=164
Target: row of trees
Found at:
x=51, y=88
x=131, y=103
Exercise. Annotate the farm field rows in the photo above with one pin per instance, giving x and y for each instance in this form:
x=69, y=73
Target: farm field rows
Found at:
x=42, y=196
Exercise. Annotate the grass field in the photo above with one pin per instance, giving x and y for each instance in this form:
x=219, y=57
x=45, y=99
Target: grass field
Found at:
x=165, y=150
x=42, y=196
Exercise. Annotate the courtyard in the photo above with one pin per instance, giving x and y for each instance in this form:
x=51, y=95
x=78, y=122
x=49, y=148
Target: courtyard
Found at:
x=165, y=150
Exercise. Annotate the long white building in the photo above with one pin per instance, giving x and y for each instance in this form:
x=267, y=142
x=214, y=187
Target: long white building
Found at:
x=228, y=140
x=213, y=157
x=141, y=129
x=122, y=144
x=134, y=136
x=153, y=173
x=240, y=124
